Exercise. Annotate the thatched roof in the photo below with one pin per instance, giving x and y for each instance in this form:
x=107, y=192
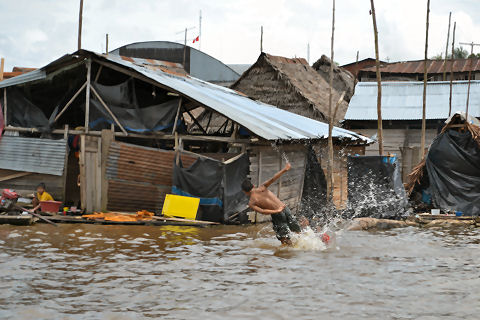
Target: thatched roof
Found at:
x=290, y=84
x=343, y=80
x=456, y=119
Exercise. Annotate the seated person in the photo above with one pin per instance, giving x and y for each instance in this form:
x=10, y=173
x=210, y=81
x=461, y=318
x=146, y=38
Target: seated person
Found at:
x=41, y=195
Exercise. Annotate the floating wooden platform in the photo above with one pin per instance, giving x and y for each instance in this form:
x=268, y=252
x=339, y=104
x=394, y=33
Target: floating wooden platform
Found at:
x=18, y=220
x=157, y=221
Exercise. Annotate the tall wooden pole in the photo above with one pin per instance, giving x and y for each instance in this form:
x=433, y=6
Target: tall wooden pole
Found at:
x=425, y=75
x=330, y=112
x=261, y=39
x=469, y=83
x=106, y=43
x=87, y=96
x=2, y=64
x=80, y=18
x=185, y=49
x=379, y=82
x=446, y=48
x=452, y=59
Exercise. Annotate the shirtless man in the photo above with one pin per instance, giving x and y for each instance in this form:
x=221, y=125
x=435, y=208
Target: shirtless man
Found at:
x=264, y=201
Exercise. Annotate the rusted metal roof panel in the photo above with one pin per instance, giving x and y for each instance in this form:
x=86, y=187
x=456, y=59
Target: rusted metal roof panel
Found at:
x=145, y=172
x=433, y=66
x=33, y=155
x=404, y=100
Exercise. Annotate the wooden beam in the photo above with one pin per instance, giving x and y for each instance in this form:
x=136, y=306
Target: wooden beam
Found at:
x=70, y=102
x=2, y=65
x=5, y=122
x=109, y=111
x=177, y=115
x=15, y=175
x=87, y=96
x=80, y=19
x=98, y=73
x=196, y=122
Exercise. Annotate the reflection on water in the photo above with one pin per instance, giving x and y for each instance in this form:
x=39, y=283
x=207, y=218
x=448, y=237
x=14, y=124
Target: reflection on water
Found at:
x=136, y=272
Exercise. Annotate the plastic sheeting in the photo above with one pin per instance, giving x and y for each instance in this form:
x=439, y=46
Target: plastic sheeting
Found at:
x=218, y=185
x=21, y=112
x=375, y=188
x=122, y=101
x=453, y=168
x=314, y=198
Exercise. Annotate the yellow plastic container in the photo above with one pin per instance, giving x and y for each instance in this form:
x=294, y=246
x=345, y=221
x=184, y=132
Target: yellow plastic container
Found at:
x=180, y=206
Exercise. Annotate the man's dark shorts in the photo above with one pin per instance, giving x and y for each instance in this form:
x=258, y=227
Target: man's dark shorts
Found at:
x=284, y=223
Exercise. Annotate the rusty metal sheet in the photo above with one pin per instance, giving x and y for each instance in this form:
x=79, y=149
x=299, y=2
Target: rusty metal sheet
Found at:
x=433, y=66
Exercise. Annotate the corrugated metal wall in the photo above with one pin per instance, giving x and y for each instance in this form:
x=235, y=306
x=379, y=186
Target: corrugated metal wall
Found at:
x=26, y=162
x=33, y=155
x=139, y=177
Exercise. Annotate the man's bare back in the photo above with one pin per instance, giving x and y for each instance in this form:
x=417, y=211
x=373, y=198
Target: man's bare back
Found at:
x=264, y=201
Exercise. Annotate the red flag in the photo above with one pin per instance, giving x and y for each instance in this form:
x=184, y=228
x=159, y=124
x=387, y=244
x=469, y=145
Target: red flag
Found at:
x=196, y=39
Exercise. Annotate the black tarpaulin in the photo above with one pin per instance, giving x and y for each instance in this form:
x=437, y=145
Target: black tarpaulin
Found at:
x=375, y=187
x=217, y=184
x=122, y=101
x=453, y=168
x=21, y=112
x=314, y=198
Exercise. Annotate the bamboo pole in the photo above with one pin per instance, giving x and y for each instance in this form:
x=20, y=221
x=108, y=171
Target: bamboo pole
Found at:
x=330, y=112
x=379, y=82
x=70, y=101
x=469, y=83
x=109, y=111
x=425, y=75
x=452, y=59
x=446, y=48
x=87, y=96
x=80, y=18
x=106, y=43
x=2, y=64
x=5, y=122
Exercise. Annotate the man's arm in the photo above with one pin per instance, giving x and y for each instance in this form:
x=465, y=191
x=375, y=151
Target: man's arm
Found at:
x=264, y=211
x=277, y=176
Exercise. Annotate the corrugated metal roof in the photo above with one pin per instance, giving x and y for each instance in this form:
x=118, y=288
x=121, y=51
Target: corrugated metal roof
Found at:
x=264, y=120
x=404, y=100
x=433, y=66
x=33, y=155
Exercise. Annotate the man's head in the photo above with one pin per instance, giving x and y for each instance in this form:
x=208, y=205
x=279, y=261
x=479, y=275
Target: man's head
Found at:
x=41, y=188
x=247, y=186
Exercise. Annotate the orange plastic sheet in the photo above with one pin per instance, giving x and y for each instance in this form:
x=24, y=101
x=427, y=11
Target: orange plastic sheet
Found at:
x=119, y=216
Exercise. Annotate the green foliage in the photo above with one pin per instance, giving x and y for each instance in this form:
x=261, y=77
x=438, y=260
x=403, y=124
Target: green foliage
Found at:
x=458, y=53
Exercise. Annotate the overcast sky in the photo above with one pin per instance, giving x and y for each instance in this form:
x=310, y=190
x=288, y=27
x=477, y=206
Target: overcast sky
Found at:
x=33, y=33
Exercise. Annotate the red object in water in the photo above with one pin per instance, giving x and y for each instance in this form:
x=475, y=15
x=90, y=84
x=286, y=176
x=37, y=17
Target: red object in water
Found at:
x=50, y=206
x=325, y=238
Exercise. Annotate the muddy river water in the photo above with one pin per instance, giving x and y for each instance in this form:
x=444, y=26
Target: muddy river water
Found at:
x=235, y=272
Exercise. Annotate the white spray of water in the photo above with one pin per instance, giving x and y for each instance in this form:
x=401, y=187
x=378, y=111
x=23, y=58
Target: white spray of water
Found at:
x=308, y=240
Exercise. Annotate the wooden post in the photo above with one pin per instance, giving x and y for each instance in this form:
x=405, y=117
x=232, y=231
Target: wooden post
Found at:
x=70, y=102
x=469, y=83
x=5, y=122
x=261, y=39
x=177, y=115
x=80, y=18
x=87, y=96
x=109, y=111
x=107, y=138
x=452, y=59
x=106, y=44
x=446, y=48
x=65, y=169
x=185, y=49
x=2, y=65
x=379, y=82
x=425, y=75
x=83, y=185
x=330, y=113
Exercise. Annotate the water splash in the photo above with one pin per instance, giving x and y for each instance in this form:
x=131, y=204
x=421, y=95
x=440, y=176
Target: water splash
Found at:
x=280, y=152
x=310, y=240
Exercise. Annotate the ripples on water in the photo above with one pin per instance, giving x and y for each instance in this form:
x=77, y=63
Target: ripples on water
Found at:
x=134, y=272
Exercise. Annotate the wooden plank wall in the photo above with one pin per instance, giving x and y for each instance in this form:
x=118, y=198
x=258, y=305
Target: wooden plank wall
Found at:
x=402, y=142
x=265, y=162
x=340, y=169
